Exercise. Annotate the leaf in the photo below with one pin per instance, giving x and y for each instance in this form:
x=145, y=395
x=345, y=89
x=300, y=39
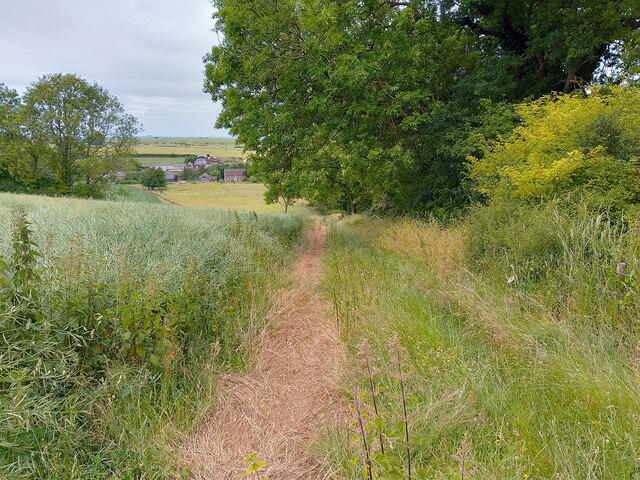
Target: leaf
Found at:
x=125, y=392
x=392, y=476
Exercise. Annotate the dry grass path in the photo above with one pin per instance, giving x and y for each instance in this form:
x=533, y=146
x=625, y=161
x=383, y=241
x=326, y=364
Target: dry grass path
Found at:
x=288, y=399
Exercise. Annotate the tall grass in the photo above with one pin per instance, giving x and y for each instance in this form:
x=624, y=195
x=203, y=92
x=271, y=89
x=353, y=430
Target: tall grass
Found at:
x=532, y=377
x=108, y=351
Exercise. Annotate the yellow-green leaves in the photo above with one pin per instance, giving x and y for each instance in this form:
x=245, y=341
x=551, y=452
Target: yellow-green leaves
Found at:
x=567, y=143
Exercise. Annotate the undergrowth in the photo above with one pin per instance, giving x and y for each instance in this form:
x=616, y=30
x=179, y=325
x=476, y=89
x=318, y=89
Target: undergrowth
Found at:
x=113, y=319
x=520, y=346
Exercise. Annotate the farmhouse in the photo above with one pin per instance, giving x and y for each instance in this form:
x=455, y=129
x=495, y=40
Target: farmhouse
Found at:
x=171, y=177
x=206, y=178
x=201, y=162
x=235, y=175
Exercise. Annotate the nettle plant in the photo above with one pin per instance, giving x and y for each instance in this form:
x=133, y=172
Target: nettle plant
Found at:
x=386, y=445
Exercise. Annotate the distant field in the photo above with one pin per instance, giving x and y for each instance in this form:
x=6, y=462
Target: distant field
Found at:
x=216, y=147
x=235, y=196
x=151, y=160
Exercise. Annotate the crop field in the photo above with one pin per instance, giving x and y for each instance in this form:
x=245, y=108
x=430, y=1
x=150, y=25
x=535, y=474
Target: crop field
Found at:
x=215, y=147
x=110, y=313
x=234, y=196
x=150, y=160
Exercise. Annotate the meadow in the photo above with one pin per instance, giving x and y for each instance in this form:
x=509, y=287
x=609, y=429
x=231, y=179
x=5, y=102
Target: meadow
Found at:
x=515, y=351
x=236, y=196
x=115, y=318
x=169, y=146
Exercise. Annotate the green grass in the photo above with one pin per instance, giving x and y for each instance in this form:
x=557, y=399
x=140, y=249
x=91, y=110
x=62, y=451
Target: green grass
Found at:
x=108, y=354
x=215, y=147
x=234, y=196
x=132, y=193
x=541, y=383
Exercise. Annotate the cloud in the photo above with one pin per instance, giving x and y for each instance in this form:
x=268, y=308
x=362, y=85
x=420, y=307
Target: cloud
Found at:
x=146, y=52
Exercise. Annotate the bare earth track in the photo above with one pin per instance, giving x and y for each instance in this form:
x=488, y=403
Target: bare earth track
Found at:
x=288, y=399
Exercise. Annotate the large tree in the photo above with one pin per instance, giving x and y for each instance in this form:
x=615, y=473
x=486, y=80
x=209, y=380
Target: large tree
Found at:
x=557, y=45
x=76, y=130
x=9, y=105
x=377, y=103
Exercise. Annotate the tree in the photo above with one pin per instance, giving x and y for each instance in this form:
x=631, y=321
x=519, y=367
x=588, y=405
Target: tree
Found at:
x=77, y=127
x=286, y=187
x=595, y=154
x=376, y=104
x=9, y=105
x=556, y=45
x=153, y=179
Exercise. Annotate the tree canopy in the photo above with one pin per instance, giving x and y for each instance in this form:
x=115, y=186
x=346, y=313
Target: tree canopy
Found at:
x=154, y=179
x=568, y=144
x=67, y=130
x=377, y=103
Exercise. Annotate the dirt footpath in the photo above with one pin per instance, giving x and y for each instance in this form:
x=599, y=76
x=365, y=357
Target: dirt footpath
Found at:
x=288, y=399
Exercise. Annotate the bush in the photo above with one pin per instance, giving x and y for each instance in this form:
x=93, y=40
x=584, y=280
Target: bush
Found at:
x=568, y=144
x=153, y=179
x=567, y=252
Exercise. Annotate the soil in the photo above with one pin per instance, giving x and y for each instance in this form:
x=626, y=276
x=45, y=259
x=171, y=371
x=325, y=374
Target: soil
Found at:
x=290, y=397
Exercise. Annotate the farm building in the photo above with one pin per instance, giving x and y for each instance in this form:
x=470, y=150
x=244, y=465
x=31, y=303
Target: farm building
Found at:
x=202, y=161
x=169, y=167
x=171, y=177
x=235, y=175
x=206, y=178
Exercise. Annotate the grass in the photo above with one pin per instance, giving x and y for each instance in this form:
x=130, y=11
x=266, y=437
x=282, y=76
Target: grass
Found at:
x=111, y=336
x=215, y=147
x=234, y=196
x=522, y=380
x=132, y=193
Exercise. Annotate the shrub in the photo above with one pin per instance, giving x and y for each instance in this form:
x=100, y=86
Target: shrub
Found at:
x=153, y=179
x=568, y=144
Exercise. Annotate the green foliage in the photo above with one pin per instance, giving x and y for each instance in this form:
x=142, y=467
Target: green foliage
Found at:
x=375, y=105
x=254, y=466
x=112, y=317
x=153, y=179
x=568, y=144
x=556, y=45
x=571, y=250
x=529, y=379
x=191, y=174
x=66, y=129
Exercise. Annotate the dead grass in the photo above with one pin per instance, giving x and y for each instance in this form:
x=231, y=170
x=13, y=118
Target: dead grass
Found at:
x=289, y=398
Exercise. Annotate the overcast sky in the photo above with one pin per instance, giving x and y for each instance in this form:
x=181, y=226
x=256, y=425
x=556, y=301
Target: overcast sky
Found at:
x=146, y=52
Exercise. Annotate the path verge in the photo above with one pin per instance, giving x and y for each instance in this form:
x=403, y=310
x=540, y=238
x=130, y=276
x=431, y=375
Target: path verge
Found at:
x=290, y=397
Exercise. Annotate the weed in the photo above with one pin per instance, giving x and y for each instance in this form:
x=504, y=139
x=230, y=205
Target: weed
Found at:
x=255, y=466
x=108, y=314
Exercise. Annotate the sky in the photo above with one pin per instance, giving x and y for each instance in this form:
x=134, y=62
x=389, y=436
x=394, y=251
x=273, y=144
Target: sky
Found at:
x=148, y=53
